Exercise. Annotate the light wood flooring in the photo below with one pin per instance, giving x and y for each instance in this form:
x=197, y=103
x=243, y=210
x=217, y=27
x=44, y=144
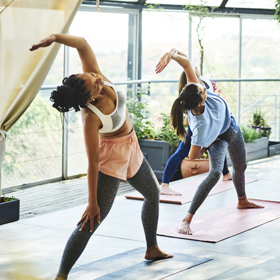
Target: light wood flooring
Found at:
x=47, y=198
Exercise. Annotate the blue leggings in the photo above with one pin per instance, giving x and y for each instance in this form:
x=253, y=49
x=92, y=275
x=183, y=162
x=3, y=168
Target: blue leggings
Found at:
x=176, y=159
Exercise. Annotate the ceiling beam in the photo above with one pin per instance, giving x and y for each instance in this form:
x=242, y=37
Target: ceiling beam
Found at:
x=223, y=4
x=221, y=9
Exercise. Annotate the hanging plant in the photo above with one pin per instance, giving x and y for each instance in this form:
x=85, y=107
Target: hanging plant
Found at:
x=201, y=11
x=277, y=10
x=98, y=5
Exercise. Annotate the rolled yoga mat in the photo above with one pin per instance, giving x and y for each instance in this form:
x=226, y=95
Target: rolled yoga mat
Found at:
x=187, y=187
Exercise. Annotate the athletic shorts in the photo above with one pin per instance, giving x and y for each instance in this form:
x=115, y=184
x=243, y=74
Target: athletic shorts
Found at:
x=120, y=157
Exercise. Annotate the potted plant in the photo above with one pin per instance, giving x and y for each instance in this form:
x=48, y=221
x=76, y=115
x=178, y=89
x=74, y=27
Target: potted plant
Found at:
x=277, y=10
x=157, y=147
x=256, y=145
x=259, y=124
x=9, y=209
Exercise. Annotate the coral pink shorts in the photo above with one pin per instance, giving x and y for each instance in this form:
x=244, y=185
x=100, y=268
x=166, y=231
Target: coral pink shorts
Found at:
x=120, y=157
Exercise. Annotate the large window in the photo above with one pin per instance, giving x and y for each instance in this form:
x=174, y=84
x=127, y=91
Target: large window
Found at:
x=260, y=60
x=171, y=30
x=35, y=145
x=42, y=146
x=110, y=43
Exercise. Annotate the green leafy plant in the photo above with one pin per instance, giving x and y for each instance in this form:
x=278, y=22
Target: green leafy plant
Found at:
x=167, y=133
x=154, y=6
x=277, y=10
x=259, y=124
x=6, y=199
x=139, y=115
x=143, y=126
x=258, y=119
x=250, y=134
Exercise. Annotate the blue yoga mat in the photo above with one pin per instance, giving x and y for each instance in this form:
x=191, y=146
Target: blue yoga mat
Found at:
x=131, y=265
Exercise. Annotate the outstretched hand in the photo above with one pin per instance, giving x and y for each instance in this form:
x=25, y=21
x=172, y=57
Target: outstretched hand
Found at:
x=90, y=213
x=163, y=62
x=43, y=43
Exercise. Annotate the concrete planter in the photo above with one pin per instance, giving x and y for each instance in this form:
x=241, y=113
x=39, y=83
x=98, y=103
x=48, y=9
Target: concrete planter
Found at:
x=256, y=150
x=157, y=153
x=9, y=210
x=273, y=148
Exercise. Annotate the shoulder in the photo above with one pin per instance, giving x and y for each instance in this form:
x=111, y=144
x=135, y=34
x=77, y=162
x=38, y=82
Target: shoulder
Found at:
x=207, y=83
x=90, y=119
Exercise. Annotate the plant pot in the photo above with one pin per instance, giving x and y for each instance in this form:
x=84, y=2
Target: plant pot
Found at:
x=256, y=150
x=194, y=167
x=157, y=153
x=9, y=210
x=265, y=130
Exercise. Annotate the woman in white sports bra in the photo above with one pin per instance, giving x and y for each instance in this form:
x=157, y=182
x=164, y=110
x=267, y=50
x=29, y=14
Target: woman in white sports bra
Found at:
x=112, y=150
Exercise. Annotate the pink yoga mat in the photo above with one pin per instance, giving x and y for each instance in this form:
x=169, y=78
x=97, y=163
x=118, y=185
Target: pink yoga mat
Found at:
x=187, y=188
x=226, y=222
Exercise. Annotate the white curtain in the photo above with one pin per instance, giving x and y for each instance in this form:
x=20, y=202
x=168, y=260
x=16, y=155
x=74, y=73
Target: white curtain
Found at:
x=22, y=73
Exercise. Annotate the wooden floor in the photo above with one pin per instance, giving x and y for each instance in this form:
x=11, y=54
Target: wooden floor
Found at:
x=56, y=196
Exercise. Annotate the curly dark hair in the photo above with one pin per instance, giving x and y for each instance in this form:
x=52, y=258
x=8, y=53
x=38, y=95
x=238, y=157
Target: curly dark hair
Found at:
x=70, y=95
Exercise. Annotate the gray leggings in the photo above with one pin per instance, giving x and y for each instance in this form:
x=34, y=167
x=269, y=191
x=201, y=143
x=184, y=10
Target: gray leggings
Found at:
x=236, y=148
x=146, y=183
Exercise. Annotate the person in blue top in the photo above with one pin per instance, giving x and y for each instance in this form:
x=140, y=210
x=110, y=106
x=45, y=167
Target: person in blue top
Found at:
x=184, y=147
x=213, y=129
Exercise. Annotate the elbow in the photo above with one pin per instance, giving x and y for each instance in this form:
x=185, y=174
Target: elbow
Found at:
x=83, y=43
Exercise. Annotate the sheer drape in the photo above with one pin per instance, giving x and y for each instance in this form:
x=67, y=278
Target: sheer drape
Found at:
x=22, y=73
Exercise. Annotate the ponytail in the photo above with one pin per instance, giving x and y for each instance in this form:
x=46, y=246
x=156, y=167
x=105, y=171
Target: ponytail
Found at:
x=182, y=82
x=176, y=117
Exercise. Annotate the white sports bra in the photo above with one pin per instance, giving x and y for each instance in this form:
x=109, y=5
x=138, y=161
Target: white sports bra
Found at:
x=115, y=120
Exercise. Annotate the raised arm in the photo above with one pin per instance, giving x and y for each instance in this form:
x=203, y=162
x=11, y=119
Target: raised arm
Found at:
x=87, y=56
x=182, y=60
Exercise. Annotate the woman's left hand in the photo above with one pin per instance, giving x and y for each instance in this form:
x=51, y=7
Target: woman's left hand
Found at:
x=163, y=62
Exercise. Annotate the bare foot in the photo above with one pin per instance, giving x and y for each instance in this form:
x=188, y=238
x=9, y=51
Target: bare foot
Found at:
x=197, y=72
x=154, y=253
x=227, y=177
x=184, y=228
x=165, y=190
x=244, y=203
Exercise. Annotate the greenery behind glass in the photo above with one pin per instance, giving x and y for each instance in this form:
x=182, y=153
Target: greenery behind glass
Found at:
x=34, y=144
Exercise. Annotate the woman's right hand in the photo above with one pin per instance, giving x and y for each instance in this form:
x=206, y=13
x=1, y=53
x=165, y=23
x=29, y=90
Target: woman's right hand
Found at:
x=43, y=43
x=89, y=215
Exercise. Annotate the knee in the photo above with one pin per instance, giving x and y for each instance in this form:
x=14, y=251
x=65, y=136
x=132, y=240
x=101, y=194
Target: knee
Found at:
x=240, y=167
x=214, y=175
x=153, y=195
x=156, y=193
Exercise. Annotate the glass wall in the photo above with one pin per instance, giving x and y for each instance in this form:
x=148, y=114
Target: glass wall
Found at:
x=260, y=60
x=34, y=146
x=171, y=30
x=235, y=47
x=34, y=143
x=110, y=42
